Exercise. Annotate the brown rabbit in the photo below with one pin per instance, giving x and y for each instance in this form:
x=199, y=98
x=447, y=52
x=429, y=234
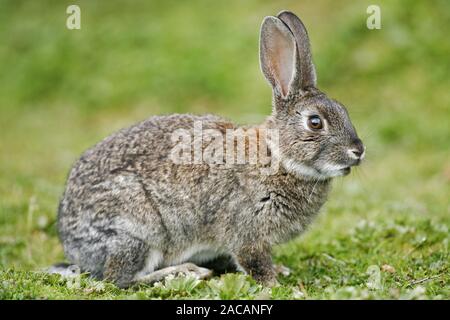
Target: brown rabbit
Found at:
x=131, y=214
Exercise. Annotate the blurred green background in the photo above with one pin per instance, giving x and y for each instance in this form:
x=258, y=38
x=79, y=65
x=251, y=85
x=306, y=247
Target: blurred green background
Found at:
x=63, y=90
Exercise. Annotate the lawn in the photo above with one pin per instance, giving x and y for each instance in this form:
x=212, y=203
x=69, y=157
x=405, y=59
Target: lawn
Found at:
x=383, y=234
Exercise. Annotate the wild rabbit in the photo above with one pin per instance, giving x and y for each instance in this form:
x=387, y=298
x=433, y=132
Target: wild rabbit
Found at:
x=131, y=214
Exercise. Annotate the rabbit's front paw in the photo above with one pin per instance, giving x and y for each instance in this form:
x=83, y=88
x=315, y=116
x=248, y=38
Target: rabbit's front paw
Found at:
x=258, y=264
x=267, y=280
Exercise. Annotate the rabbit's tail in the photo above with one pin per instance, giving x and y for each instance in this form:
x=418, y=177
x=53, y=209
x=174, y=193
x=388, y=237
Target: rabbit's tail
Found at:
x=64, y=269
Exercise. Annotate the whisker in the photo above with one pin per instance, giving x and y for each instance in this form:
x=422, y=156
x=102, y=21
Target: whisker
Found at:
x=310, y=195
x=360, y=174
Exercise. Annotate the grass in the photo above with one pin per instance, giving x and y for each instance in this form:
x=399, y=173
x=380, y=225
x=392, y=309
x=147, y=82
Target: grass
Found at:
x=383, y=234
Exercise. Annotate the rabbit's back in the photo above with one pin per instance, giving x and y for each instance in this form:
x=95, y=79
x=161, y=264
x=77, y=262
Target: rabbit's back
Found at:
x=147, y=143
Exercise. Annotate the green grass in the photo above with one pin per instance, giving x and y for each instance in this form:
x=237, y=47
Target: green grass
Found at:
x=384, y=233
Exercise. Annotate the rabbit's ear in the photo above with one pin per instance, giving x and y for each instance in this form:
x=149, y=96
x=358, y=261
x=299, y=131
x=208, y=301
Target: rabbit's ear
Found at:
x=307, y=71
x=278, y=56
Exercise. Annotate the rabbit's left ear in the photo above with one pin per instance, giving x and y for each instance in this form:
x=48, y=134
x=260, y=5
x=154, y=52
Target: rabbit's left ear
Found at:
x=278, y=56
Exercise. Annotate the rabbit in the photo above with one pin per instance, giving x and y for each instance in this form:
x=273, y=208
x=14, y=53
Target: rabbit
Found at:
x=130, y=215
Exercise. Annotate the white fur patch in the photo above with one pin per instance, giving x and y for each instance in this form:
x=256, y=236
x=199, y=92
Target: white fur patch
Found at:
x=69, y=271
x=332, y=170
x=301, y=170
x=153, y=260
x=351, y=155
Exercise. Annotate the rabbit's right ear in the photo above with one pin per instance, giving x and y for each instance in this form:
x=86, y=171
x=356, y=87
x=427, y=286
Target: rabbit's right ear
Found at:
x=278, y=56
x=307, y=70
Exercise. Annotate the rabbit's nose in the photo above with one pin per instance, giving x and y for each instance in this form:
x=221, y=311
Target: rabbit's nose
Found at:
x=358, y=150
x=355, y=153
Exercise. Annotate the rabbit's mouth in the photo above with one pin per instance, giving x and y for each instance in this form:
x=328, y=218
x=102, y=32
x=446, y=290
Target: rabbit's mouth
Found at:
x=326, y=171
x=330, y=170
x=337, y=172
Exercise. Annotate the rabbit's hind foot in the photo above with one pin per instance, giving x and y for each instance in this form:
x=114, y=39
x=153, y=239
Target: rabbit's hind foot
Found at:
x=187, y=269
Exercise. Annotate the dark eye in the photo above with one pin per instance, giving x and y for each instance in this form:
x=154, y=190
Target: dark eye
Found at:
x=315, y=123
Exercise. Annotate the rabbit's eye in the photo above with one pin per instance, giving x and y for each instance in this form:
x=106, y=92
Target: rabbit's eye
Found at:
x=315, y=123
